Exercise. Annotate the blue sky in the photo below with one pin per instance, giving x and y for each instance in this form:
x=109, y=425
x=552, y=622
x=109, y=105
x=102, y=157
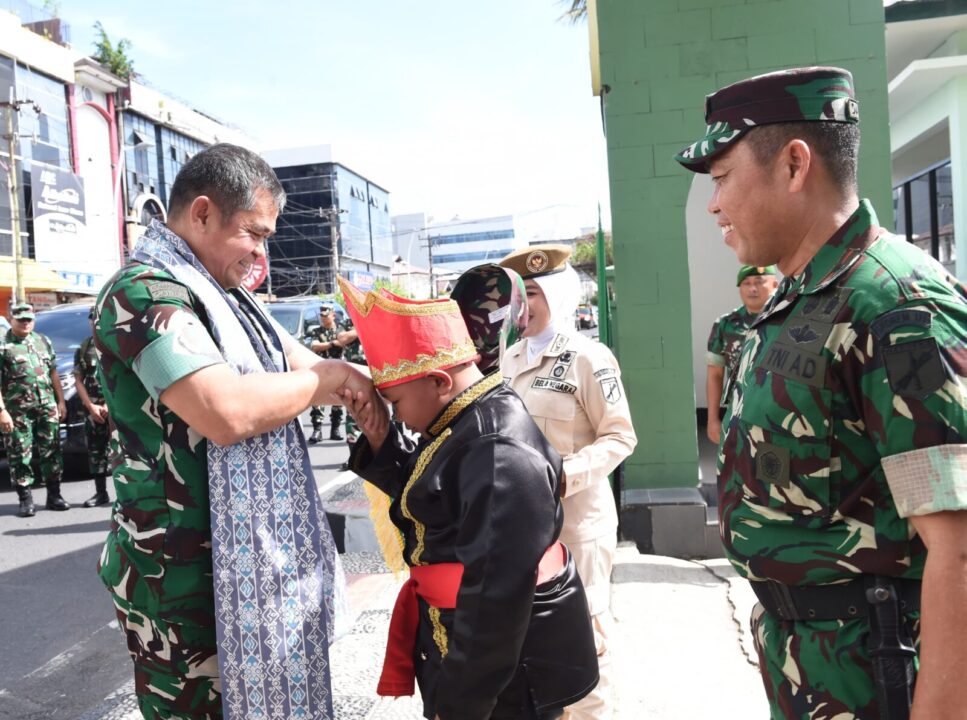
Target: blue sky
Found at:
x=457, y=108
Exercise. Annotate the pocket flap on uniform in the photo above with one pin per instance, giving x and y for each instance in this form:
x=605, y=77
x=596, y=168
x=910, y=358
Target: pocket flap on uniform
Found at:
x=791, y=408
x=551, y=404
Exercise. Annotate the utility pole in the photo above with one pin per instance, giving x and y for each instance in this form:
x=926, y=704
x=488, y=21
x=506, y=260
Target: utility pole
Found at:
x=332, y=215
x=12, y=106
x=604, y=301
x=429, y=250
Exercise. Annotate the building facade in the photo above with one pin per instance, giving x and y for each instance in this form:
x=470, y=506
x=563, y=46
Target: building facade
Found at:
x=926, y=44
x=336, y=221
x=459, y=245
x=93, y=161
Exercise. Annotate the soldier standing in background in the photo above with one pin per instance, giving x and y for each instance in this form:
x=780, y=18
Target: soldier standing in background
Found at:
x=354, y=353
x=843, y=463
x=31, y=410
x=323, y=340
x=97, y=424
x=756, y=285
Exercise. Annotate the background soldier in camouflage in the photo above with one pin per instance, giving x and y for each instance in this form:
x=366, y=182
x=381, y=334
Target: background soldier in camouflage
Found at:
x=97, y=424
x=756, y=285
x=32, y=408
x=355, y=354
x=843, y=466
x=323, y=339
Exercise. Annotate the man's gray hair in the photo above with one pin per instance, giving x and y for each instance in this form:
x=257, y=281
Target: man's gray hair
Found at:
x=229, y=175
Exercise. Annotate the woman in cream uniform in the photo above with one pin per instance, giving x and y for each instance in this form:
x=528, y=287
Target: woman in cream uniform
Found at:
x=572, y=387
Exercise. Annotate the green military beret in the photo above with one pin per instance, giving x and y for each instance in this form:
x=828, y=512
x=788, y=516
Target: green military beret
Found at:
x=22, y=311
x=812, y=94
x=536, y=260
x=753, y=270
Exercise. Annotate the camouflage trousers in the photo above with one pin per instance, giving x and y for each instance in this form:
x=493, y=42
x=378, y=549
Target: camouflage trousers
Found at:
x=175, y=667
x=35, y=436
x=317, y=413
x=98, y=446
x=817, y=670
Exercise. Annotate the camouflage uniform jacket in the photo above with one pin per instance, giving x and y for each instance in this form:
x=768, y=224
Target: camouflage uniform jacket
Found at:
x=849, y=414
x=85, y=366
x=354, y=351
x=320, y=333
x=726, y=339
x=149, y=333
x=25, y=367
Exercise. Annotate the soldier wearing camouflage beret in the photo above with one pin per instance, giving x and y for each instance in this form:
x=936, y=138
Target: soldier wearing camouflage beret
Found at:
x=31, y=410
x=756, y=285
x=843, y=464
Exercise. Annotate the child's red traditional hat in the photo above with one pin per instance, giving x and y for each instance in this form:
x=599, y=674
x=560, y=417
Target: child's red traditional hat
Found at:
x=404, y=339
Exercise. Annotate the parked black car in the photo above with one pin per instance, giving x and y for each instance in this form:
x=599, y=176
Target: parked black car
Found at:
x=67, y=326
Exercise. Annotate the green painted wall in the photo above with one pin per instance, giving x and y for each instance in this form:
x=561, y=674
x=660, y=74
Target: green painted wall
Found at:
x=659, y=58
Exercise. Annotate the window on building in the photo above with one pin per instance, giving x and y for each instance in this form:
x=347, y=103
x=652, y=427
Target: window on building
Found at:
x=924, y=213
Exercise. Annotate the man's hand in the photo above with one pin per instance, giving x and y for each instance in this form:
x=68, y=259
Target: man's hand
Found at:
x=6, y=422
x=369, y=412
x=61, y=409
x=714, y=430
x=98, y=413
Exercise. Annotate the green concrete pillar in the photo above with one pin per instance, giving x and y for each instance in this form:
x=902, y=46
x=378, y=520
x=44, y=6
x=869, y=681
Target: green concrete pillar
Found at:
x=657, y=59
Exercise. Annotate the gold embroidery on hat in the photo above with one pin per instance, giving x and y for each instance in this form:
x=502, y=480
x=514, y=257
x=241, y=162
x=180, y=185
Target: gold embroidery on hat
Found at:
x=364, y=303
x=464, y=399
x=421, y=463
x=462, y=351
x=536, y=261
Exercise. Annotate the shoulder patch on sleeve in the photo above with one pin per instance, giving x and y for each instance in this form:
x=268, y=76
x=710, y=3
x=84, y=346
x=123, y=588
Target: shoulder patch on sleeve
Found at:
x=611, y=389
x=167, y=290
x=914, y=369
x=888, y=322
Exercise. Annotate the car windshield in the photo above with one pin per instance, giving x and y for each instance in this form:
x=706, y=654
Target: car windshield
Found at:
x=65, y=328
x=287, y=316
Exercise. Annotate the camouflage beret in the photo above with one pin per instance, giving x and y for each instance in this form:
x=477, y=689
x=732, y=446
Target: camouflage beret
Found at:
x=493, y=303
x=537, y=260
x=812, y=94
x=747, y=271
x=22, y=310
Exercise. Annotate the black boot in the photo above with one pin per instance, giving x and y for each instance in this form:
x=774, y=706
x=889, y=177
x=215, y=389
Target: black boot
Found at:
x=26, y=501
x=100, y=496
x=316, y=436
x=54, y=499
x=334, y=433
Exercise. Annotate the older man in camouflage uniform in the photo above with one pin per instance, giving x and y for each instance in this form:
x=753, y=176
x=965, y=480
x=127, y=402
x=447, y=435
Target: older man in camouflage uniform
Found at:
x=178, y=404
x=843, y=466
x=97, y=424
x=323, y=340
x=756, y=285
x=31, y=410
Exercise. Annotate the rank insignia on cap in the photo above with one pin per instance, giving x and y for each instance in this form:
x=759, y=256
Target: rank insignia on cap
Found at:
x=537, y=261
